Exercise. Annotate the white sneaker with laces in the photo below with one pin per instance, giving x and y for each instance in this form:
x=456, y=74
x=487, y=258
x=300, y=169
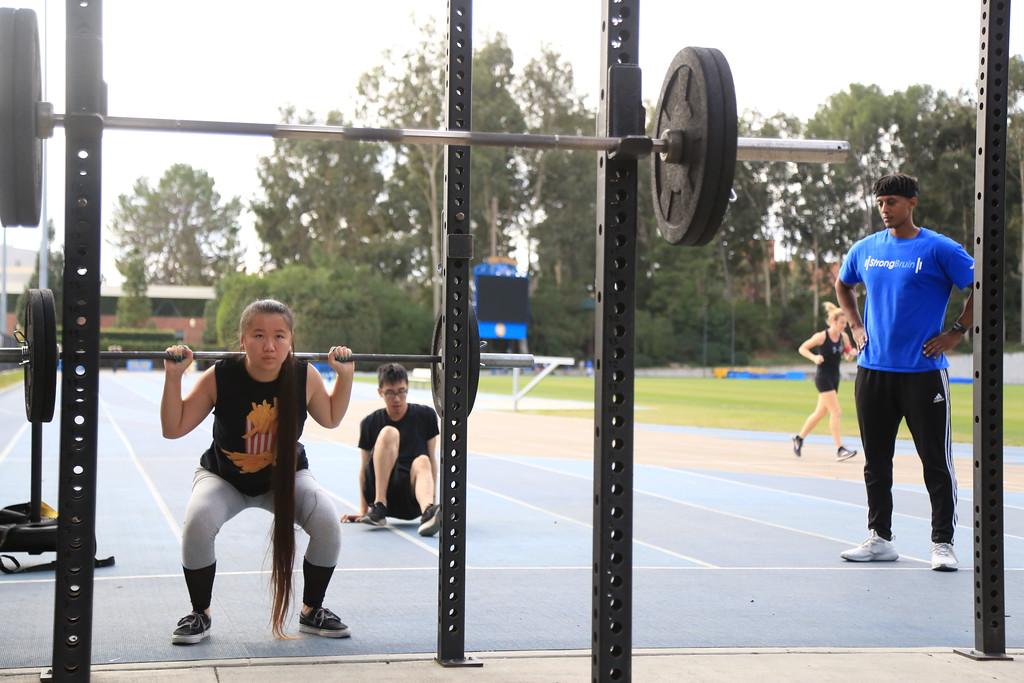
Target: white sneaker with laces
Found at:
x=874, y=549
x=943, y=557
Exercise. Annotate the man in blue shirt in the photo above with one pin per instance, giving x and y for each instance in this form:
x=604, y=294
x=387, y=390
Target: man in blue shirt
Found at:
x=909, y=273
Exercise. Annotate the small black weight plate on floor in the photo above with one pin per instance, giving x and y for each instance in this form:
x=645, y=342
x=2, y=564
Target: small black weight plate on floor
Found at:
x=691, y=184
x=21, y=151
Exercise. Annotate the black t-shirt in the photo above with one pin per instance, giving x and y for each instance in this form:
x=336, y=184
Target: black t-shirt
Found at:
x=415, y=429
x=245, y=426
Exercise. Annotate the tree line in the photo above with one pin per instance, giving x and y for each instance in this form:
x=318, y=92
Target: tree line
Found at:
x=350, y=233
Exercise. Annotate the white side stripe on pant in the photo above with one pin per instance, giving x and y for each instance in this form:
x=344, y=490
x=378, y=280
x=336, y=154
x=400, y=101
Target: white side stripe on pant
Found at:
x=944, y=373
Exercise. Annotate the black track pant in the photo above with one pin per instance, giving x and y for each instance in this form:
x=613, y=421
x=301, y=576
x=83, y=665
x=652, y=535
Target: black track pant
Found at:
x=883, y=400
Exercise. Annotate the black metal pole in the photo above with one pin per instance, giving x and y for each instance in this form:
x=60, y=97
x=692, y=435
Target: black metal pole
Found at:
x=76, y=527
x=989, y=322
x=36, y=494
x=458, y=251
x=621, y=110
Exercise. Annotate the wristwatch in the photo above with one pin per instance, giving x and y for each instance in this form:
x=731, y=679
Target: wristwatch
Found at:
x=958, y=327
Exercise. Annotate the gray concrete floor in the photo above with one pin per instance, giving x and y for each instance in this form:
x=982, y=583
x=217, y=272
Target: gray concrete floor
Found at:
x=650, y=666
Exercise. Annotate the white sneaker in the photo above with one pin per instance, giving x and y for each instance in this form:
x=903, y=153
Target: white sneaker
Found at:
x=874, y=549
x=943, y=557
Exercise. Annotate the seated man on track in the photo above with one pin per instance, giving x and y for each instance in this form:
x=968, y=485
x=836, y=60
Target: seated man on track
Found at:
x=398, y=444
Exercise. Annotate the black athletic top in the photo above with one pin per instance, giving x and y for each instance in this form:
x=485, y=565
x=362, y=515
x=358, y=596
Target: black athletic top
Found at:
x=415, y=429
x=245, y=424
x=832, y=352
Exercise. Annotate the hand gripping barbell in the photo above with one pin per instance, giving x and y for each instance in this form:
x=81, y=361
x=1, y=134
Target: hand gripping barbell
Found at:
x=693, y=152
x=39, y=355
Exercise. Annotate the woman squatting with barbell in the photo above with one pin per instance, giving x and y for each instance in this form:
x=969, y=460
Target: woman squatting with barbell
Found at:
x=260, y=402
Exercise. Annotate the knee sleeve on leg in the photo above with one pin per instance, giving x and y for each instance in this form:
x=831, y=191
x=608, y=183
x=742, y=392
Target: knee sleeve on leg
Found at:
x=200, y=586
x=315, y=581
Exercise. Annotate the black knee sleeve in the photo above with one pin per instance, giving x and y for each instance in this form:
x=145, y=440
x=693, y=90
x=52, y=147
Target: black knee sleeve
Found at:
x=200, y=586
x=315, y=580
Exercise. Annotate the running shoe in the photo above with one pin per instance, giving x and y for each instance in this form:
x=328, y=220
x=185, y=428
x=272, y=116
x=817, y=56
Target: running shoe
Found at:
x=377, y=515
x=874, y=549
x=323, y=622
x=943, y=557
x=192, y=628
x=430, y=522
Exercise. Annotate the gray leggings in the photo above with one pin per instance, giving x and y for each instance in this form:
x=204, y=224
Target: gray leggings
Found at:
x=215, y=501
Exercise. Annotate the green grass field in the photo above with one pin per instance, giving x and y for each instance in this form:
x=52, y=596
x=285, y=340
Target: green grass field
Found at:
x=9, y=377
x=766, y=405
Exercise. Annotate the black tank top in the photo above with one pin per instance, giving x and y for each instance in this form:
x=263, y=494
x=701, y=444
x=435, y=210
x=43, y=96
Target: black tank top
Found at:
x=832, y=352
x=245, y=426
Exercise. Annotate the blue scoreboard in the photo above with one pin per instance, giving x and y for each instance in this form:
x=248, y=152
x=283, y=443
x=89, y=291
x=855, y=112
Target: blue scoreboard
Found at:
x=502, y=300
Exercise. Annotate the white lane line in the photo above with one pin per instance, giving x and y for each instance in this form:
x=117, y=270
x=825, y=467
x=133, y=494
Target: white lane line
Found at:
x=401, y=534
x=160, y=503
x=705, y=508
x=587, y=525
x=761, y=487
x=809, y=496
x=964, y=498
x=14, y=439
x=851, y=567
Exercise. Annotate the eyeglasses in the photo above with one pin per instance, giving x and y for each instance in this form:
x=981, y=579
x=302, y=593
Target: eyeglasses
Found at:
x=395, y=393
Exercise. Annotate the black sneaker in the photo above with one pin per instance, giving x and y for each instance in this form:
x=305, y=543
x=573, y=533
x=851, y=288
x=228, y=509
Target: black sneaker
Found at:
x=798, y=444
x=191, y=629
x=377, y=515
x=323, y=622
x=844, y=453
x=430, y=522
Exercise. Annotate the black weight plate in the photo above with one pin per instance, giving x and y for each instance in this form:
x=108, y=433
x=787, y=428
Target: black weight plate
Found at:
x=28, y=147
x=474, y=364
x=728, y=171
x=35, y=369
x=41, y=370
x=21, y=151
x=690, y=197
x=7, y=164
x=474, y=359
x=435, y=369
x=48, y=400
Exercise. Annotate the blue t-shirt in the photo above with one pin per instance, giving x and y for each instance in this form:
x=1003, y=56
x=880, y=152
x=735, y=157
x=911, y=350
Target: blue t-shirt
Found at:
x=908, y=284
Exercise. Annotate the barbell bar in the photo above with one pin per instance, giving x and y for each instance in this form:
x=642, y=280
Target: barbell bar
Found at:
x=747, y=149
x=39, y=354
x=23, y=354
x=693, y=151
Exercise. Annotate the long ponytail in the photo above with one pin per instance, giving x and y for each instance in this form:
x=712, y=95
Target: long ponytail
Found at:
x=284, y=497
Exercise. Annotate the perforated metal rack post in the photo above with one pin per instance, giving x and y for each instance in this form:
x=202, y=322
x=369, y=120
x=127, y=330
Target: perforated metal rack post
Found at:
x=989, y=311
x=454, y=370
x=76, y=529
x=621, y=110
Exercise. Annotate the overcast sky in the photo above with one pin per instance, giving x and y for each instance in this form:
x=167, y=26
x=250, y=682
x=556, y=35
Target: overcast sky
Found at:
x=244, y=59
